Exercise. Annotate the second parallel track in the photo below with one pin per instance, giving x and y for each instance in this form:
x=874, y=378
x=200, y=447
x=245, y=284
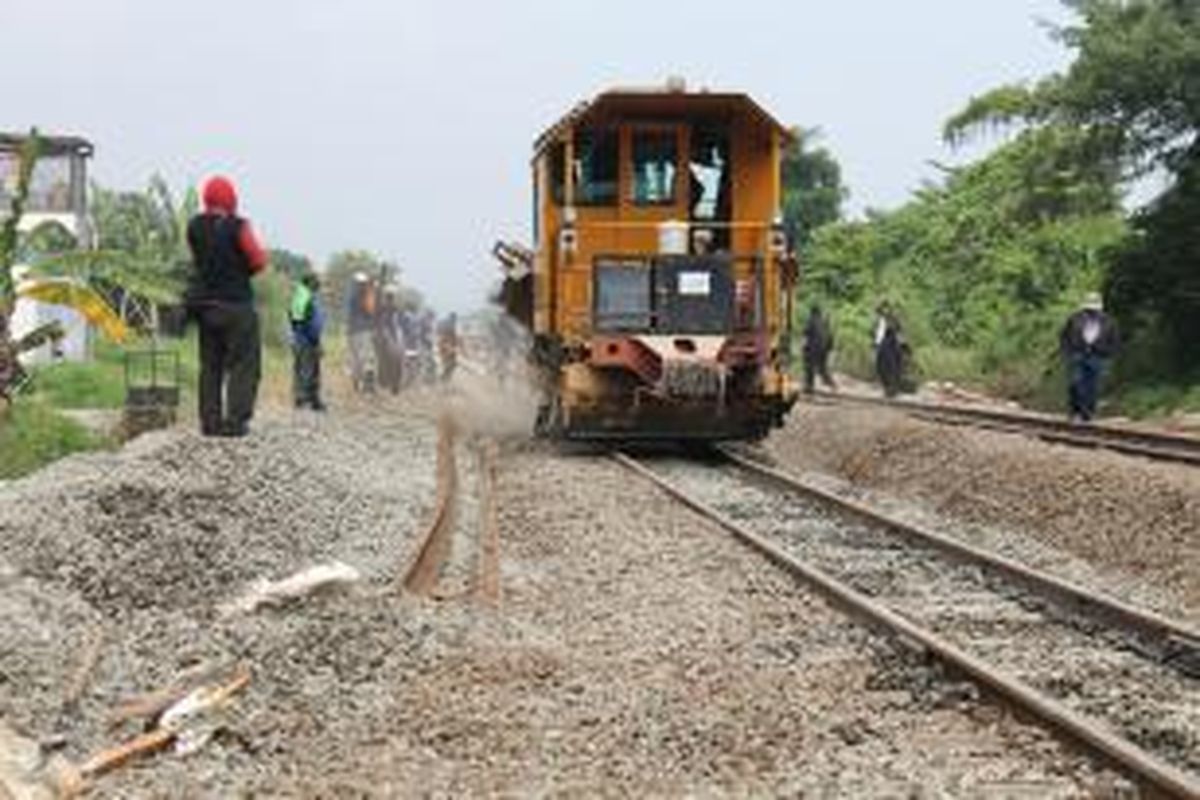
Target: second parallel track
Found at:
x=1115, y=678
x=1156, y=445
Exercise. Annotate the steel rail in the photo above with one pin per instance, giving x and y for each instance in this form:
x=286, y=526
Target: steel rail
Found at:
x=1177, y=640
x=1157, y=445
x=1084, y=730
x=487, y=578
x=421, y=576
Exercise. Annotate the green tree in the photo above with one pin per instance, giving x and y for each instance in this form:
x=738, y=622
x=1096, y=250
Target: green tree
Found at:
x=149, y=224
x=289, y=264
x=148, y=229
x=273, y=291
x=1133, y=92
x=982, y=265
x=340, y=271
x=813, y=192
x=59, y=272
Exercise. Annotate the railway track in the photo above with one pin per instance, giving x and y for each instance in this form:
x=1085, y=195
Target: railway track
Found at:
x=425, y=573
x=1121, y=681
x=1158, y=445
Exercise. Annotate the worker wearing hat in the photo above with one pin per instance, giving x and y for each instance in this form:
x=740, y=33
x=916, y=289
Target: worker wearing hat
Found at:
x=1088, y=340
x=226, y=254
x=360, y=328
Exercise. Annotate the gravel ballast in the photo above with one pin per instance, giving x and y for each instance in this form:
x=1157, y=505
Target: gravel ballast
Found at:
x=141, y=547
x=638, y=651
x=635, y=649
x=1099, y=671
x=1118, y=524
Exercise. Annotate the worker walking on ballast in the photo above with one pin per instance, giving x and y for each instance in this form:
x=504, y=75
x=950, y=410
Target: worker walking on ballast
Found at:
x=818, y=343
x=891, y=351
x=226, y=254
x=1088, y=339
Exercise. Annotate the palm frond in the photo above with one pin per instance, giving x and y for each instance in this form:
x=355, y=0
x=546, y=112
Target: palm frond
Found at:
x=81, y=298
x=49, y=332
x=134, y=274
x=50, y=236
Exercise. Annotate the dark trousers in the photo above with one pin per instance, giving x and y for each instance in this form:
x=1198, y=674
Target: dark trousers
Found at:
x=230, y=362
x=816, y=365
x=889, y=365
x=1083, y=393
x=306, y=374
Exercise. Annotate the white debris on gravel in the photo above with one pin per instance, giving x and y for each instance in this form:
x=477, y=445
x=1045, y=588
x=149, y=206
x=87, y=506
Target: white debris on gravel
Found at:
x=265, y=591
x=1118, y=524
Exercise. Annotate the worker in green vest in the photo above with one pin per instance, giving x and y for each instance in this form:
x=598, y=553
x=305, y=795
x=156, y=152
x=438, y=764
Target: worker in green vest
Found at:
x=308, y=322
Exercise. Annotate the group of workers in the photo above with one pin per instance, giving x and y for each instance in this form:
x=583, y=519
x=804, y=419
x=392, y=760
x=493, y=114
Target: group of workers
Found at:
x=1087, y=342
x=891, y=350
x=392, y=345
x=389, y=346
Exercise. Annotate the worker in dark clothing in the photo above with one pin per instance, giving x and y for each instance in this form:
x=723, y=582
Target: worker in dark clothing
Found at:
x=389, y=343
x=818, y=344
x=1088, y=339
x=360, y=327
x=226, y=253
x=308, y=323
x=890, y=351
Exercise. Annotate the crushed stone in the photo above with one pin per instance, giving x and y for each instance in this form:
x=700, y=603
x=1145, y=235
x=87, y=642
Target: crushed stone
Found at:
x=1123, y=525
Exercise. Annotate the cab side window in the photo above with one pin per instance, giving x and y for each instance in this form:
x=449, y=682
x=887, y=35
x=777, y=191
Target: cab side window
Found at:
x=595, y=168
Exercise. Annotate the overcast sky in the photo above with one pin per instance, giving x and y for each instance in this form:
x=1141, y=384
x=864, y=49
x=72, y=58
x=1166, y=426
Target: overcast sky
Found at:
x=405, y=127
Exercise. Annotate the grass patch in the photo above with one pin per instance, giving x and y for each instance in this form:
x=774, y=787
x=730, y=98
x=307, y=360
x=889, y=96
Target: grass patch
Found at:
x=100, y=381
x=74, y=384
x=32, y=434
x=1157, y=399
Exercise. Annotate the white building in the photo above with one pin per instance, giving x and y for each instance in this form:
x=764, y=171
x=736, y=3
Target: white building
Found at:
x=58, y=194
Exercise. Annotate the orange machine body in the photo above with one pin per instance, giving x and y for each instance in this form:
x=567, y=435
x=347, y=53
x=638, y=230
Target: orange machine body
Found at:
x=660, y=286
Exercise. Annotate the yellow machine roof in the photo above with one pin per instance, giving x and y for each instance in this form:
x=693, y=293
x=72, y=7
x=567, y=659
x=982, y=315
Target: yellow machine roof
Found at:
x=659, y=104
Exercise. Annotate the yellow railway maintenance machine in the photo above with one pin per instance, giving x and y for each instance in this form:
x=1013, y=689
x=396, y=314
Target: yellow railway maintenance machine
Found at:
x=659, y=292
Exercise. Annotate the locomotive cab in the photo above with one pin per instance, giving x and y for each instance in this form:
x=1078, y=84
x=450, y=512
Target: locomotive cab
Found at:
x=660, y=281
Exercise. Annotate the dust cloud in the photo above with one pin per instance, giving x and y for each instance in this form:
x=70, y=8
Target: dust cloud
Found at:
x=494, y=391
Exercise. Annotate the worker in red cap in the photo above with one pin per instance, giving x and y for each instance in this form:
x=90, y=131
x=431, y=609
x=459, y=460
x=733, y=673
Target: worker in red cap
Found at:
x=226, y=254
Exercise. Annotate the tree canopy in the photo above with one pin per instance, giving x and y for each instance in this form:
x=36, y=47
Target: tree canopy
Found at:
x=1132, y=94
x=983, y=265
x=813, y=192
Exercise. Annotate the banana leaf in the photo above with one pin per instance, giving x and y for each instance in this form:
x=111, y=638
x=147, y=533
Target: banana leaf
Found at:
x=136, y=276
x=78, y=297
